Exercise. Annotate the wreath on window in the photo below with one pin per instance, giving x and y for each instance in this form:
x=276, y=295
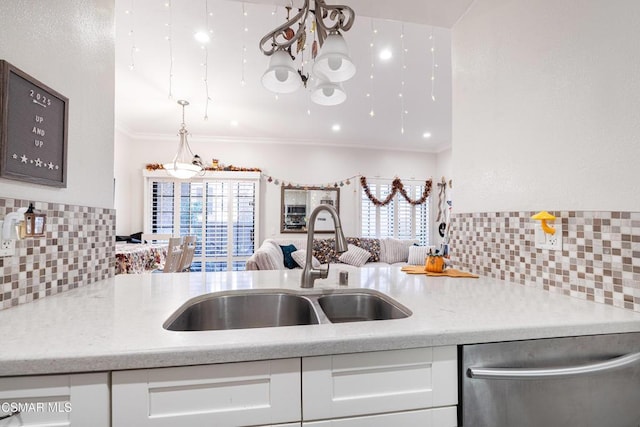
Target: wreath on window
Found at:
x=396, y=186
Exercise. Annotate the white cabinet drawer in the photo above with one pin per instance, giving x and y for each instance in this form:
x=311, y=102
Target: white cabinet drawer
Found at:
x=436, y=417
x=386, y=381
x=56, y=400
x=231, y=394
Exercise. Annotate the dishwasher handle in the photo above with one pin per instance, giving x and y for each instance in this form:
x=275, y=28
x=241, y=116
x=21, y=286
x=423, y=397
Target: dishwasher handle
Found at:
x=553, y=373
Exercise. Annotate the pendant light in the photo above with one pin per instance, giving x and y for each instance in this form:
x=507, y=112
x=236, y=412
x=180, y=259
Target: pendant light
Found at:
x=185, y=164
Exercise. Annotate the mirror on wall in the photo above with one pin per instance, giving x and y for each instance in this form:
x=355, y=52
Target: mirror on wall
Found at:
x=298, y=203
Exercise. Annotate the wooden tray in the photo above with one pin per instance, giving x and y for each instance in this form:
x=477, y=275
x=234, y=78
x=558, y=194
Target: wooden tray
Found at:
x=449, y=272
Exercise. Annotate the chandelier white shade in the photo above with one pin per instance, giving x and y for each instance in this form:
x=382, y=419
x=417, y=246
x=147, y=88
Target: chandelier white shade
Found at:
x=328, y=94
x=333, y=61
x=185, y=164
x=281, y=76
x=182, y=170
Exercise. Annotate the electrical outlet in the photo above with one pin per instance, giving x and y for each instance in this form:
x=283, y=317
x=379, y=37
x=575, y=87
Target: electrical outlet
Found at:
x=552, y=242
x=7, y=247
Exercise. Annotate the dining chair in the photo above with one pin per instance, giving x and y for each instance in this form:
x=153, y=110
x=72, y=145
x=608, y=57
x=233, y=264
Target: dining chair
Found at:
x=174, y=255
x=188, y=250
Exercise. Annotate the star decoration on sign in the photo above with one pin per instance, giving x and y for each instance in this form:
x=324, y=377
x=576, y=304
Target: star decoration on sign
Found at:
x=39, y=163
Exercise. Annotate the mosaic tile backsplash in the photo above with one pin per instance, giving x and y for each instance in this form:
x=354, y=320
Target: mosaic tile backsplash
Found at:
x=77, y=250
x=599, y=261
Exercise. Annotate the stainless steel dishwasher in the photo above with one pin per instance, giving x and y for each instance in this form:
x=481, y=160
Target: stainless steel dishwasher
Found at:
x=589, y=381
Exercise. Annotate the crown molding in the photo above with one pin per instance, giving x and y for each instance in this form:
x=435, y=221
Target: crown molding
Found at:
x=145, y=136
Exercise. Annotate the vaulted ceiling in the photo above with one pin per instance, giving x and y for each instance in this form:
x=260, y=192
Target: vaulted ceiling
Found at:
x=393, y=103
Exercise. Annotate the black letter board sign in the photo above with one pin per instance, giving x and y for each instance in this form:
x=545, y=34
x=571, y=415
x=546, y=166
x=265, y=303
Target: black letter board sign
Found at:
x=33, y=129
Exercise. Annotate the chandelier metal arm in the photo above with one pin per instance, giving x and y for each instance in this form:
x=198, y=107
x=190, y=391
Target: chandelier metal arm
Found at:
x=332, y=18
x=276, y=39
x=328, y=18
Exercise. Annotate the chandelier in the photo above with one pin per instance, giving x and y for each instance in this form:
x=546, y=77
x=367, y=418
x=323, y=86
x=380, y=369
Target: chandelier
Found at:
x=185, y=164
x=332, y=64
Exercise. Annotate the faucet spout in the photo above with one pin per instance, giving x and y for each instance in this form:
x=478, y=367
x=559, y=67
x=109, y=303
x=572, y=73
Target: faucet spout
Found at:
x=310, y=274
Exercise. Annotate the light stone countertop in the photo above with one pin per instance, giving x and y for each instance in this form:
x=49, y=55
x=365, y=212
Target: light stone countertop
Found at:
x=116, y=324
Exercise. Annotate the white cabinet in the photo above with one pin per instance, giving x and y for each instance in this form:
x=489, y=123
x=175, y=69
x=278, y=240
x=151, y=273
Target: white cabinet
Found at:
x=414, y=387
x=56, y=400
x=231, y=394
x=350, y=385
x=436, y=417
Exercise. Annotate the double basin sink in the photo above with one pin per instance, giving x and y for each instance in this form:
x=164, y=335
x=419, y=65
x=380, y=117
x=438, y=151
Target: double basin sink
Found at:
x=271, y=308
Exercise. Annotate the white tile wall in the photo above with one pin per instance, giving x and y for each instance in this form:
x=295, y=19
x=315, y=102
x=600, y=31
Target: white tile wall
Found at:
x=600, y=260
x=78, y=249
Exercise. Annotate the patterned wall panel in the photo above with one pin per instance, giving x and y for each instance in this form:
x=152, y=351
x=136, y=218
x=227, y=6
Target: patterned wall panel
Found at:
x=78, y=249
x=599, y=261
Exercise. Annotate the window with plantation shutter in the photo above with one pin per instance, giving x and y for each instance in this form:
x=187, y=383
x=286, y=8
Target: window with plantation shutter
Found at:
x=405, y=218
x=385, y=223
x=244, y=218
x=216, y=224
x=220, y=209
x=368, y=214
x=421, y=217
x=162, y=202
x=398, y=219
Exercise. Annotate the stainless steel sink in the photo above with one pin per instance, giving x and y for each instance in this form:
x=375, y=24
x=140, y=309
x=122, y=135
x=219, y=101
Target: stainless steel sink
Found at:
x=270, y=308
x=359, y=307
x=242, y=310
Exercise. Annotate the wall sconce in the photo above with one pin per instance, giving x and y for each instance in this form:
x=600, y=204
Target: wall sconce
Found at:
x=546, y=236
x=34, y=222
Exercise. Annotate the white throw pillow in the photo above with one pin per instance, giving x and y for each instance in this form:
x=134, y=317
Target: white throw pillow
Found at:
x=273, y=249
x=355, y=256
x=269, y=257
x=418, y=254
x=300, y=256
x=395, y=250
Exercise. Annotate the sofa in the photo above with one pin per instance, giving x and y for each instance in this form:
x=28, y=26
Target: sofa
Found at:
x=286, y=253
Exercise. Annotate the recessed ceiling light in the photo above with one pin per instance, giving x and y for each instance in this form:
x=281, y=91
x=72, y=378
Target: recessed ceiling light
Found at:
x=234, y=123
x=426, y=135
x=335, y=128
x=202, y=37
x=385, y=54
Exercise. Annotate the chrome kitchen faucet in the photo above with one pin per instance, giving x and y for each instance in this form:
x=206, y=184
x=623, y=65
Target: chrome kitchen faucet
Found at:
x=309, y=274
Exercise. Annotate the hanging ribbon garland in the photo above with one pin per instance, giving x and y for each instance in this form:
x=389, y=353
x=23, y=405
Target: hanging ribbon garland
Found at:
x=396, y=186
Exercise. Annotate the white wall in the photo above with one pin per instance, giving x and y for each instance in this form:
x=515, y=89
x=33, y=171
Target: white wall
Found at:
x=546, y=96
x=304, y=164
x=444, y=168
x=444, y=162
x=69, y=46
